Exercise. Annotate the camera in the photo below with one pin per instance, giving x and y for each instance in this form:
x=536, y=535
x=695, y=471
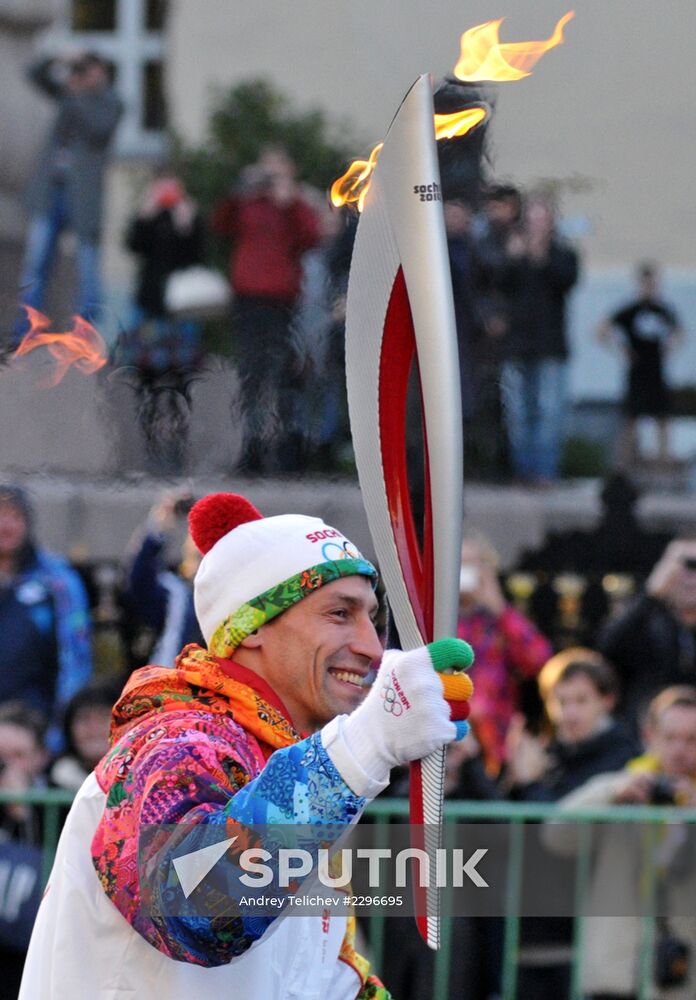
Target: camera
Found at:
x=183, y=506
x=662, y=793
x=254, y=178
x=672, y=960
x=689, y=563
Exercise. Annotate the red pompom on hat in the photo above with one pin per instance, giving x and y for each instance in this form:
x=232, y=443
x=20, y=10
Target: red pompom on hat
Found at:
x=216, y=515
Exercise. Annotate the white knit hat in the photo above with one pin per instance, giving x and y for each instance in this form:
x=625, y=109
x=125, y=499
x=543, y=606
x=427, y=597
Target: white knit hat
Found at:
x=255, y=567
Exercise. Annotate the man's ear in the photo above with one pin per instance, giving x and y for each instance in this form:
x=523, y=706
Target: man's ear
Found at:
x=253, y=641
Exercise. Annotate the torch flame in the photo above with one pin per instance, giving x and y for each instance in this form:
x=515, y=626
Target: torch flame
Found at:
x=82, y=346
x=352, y=186
x=484, y=57
x=459, y=123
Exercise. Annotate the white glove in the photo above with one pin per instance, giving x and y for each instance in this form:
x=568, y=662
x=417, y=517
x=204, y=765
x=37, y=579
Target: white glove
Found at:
x=404, y=717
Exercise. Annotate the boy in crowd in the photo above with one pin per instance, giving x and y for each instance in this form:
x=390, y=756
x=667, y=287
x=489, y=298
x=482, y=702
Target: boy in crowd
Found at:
x=579, y=690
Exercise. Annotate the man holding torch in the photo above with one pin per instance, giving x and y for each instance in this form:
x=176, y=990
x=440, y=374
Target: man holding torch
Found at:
x=277, y=721
x=283, y=719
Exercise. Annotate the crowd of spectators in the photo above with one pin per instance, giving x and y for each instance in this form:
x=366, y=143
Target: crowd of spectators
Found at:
x=288, y=261
x=604, y=708
x=618, y=727
x=511, y=276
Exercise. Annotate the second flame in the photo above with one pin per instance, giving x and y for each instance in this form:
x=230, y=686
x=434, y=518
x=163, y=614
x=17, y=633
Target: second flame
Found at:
x=82, y=346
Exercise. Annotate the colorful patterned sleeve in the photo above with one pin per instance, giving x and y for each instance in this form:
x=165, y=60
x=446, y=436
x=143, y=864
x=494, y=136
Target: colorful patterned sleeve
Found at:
x=374, y=989
x=181, y=781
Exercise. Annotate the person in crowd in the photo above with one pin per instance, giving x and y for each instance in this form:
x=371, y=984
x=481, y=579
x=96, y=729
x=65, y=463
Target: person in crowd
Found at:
x=334, y=447
x=271, y=226
x=166, y=235
x=460, y=244
x=275, y=722
x=648, y=329
x=536, y=275
x=86, y=725
x=500, y=219
x=509, y=649
x=44, y=614
x=23, y=759
x=465, y=771
x=66, y=191
x=319, y=406
x=653, y=642
x=156, y=596
x=579, y=690
x=613, y=944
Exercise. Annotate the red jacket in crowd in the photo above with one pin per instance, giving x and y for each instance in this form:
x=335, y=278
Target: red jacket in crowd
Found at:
x=268, y=243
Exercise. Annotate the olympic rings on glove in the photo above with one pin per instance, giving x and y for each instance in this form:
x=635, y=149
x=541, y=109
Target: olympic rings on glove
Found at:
x=392, y=703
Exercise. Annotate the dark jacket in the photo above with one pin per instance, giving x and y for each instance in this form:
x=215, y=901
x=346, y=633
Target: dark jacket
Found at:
x=651, y=649
x=83, y=128
x=466, y=314
x=46, y=633
x=575, y=763
x=161, y=600
x=572, y=766
x=488, y=265
x=162, y=248
x=536, y=295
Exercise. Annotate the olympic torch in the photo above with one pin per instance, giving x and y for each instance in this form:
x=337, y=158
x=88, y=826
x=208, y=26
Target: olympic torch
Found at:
x=400, y=311
x=399, y=307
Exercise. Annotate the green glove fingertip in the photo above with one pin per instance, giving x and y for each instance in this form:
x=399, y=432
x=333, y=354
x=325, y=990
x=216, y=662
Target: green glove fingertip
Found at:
x=450, y=654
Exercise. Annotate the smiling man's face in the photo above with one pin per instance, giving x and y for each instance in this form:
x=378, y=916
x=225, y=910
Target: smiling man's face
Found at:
x=317, y=656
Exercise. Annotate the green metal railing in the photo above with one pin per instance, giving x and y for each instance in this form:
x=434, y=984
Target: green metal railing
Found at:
x=383, y=811
x=55, y=803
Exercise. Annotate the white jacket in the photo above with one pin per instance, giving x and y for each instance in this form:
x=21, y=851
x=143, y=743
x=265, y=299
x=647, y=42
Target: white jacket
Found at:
x=82, y=946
